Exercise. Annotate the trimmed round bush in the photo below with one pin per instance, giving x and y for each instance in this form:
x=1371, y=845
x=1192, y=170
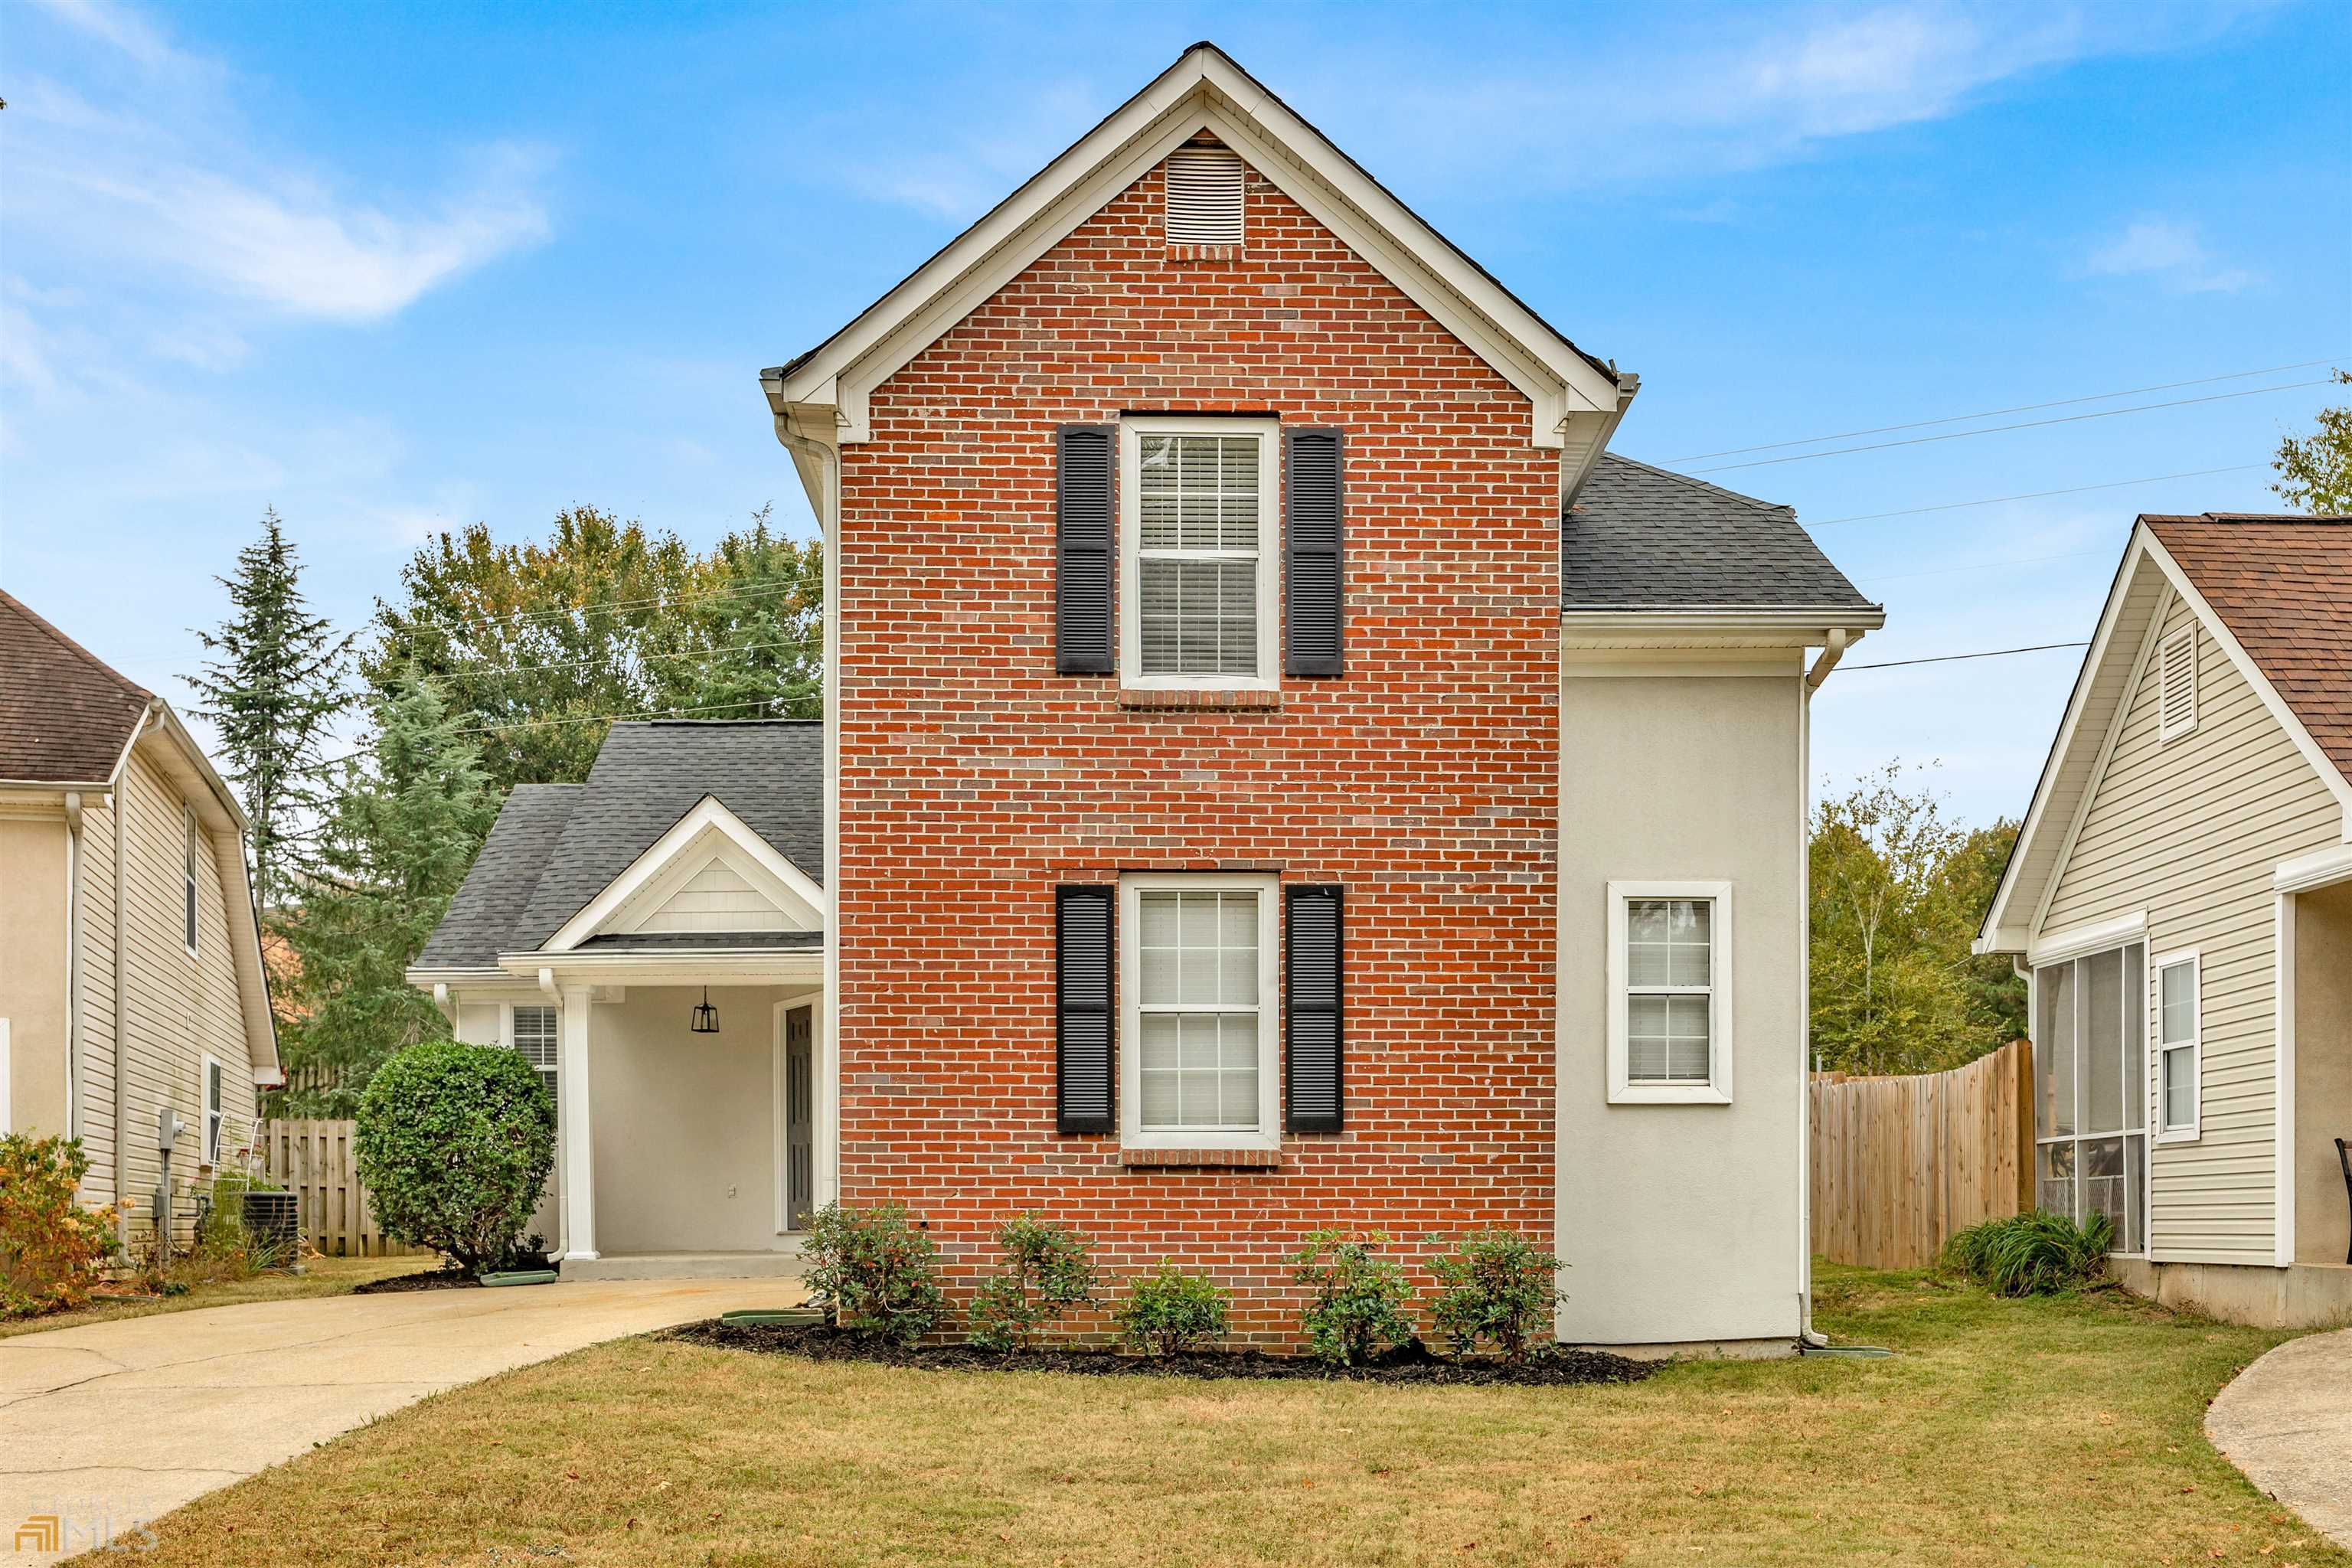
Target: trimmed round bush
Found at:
x=455, y=1143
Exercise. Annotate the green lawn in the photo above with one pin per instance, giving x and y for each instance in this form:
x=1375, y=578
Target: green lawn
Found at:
x=2045, y=1433
x=325, y=1277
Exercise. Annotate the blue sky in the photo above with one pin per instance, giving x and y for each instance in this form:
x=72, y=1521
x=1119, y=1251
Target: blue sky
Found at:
x=393, y=269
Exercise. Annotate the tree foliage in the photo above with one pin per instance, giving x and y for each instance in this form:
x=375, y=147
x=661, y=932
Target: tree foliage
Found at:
x=411, y=809
x=273, y=693
x=2316, y=471
x=540, y=643
x=1897, y=895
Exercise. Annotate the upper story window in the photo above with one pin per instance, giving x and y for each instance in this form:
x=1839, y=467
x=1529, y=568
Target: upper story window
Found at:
x=1199, y=542
x=192, y=838
x=1204, y=197
x=1669, y=992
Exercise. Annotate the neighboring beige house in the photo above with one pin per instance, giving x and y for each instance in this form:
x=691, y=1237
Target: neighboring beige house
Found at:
x=131, y=975
x=2182, y=894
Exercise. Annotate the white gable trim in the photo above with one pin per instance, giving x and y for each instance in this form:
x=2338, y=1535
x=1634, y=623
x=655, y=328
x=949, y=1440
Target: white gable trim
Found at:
x=675, y=856
x=1205, y=88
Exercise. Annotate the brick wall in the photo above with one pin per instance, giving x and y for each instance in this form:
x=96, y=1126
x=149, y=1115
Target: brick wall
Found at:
x=974, y=779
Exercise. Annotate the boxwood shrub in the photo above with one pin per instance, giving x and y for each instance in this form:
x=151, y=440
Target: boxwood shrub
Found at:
x=455, y=1143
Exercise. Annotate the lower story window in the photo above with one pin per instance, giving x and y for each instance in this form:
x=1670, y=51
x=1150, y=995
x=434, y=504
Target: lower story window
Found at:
x=1198, y=1011
x=534, y=1037
x=1669, y=983
x=2090, y=1120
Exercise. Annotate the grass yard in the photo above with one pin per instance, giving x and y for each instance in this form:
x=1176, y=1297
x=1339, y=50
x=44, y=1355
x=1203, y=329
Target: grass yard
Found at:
x=2045, y=1433
x=326, y=1277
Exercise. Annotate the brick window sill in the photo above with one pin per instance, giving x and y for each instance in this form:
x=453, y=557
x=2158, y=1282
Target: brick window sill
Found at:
x=1154, y=700
x=1201, y=1159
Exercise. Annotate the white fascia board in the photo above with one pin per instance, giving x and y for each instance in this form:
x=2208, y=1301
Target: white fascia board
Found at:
x=2075, y=941
x=2319, y=869
x=710, y=813
x=1201, y=90
x=1768, y=625
x=2001, y=931
x=2289, y=720
x=676, y=966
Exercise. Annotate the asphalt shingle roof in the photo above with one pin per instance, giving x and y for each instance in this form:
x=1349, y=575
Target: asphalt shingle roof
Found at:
x=556, y=847
x=1641, y=538
x=64, y=716
x=2283, y=585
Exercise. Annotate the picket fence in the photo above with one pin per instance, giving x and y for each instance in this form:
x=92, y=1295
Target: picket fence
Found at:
x=1899, y=1165
x=312, y=1160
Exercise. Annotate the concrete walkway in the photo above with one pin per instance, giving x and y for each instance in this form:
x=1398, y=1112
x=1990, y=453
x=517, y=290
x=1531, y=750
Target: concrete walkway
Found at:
x=2286, y=1421
x=107, y=1425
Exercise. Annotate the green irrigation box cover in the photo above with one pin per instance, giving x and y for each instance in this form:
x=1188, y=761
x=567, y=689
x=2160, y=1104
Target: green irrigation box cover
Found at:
x=521, y=1276
x=799, y=1315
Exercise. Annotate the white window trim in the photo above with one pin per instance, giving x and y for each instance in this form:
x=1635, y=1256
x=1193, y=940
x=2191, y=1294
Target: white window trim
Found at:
x=2162, y=1131
x=1717, y=1090
x=1269, y=554
x=513, y=1041
x=210, y=1116
x=2165, y=729
x=191, y=910
x=1268, y=1132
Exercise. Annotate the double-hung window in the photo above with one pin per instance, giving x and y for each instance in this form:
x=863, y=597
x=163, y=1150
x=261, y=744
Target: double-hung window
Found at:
x=191, y=837
x=1669, y=992
x=1199, y=549
x=2090, y=1115
x=214, y=1088
x=1199, y=1011
x=534, y=1037
x=2177, y=1031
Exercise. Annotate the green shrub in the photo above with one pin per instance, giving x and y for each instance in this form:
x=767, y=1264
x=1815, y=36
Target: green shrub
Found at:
x=1170, y=1312
x=1496, y=1285
x=1047, y=1272
x=50, y=1246
x=1359, y=1298
x=455, y=1143
x=880, y=1273
x=2036, y=1254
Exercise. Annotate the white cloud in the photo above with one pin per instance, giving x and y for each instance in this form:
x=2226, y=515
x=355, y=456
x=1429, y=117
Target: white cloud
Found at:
x=2173, y=253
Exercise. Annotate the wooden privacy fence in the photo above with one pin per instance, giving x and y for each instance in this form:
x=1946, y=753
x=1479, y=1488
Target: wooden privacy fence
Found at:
x=312, y=1160
x=1901, y=1164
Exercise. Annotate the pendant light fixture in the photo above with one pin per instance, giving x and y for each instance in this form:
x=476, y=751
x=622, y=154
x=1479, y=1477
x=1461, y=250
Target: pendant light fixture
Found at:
x=706, y=1016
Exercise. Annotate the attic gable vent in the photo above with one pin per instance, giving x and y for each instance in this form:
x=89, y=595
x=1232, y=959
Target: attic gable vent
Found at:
x=2175, y=675
x=1204, y=197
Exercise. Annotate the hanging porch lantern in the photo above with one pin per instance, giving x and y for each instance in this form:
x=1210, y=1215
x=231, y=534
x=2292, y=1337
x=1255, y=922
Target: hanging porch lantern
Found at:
x=706, y=1016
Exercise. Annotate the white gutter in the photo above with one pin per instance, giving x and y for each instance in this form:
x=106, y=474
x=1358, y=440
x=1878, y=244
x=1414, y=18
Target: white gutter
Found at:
x=1831, y=653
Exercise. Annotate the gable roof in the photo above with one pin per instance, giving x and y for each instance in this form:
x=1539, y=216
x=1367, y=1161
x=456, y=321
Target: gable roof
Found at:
x=1205, y=89
x=64, y=716
x=555, y=846
x=2284, y=587
x=1641, y=538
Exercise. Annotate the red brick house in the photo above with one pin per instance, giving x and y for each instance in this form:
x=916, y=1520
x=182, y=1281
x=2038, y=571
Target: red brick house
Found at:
x=1280, y=770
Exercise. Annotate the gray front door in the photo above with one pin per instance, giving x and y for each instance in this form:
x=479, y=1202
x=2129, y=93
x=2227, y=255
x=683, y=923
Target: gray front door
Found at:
x=800, y=1115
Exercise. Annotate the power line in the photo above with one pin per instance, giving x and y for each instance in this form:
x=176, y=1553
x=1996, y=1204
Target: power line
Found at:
x=2031, y=494
x=688, y=656
x=1949, y=658
x=1997, y=413
x=1984, y=565
x=1999, y=429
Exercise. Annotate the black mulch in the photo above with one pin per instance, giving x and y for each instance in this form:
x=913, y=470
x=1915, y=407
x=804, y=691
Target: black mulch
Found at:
x=1411, y=1364
x=434, y=1279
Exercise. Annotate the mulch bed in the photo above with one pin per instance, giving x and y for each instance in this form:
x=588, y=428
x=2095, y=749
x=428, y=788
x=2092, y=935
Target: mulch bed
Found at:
x=1409, y=1363
x=437, y=1280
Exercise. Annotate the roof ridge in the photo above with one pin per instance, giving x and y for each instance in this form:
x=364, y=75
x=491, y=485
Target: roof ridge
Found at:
x=2325, y=519
x=1740, y=496
x=128, y=686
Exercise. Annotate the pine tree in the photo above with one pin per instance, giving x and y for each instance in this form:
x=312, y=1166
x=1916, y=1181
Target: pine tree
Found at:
x=272, y=694
x=412, y=808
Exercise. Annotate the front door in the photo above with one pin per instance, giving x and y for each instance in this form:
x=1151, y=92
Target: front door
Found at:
x=800, y=1116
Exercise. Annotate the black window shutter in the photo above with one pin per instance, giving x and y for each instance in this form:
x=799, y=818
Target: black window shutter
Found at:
x=1311, y=992
x=1313, y=614
x=1084, y=1021
x=1084, y=520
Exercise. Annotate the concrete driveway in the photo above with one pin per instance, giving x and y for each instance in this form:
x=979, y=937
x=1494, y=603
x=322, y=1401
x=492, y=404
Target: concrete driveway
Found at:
x=107, y=1425
x=2286, y=1421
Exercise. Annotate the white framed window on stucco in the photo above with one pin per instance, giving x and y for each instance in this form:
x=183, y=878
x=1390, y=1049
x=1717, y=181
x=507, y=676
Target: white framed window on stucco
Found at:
x=1669, y=992
x=1200, y=551
x=1199, y=1011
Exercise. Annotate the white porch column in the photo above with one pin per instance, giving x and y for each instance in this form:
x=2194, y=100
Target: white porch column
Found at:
x=578, y=1126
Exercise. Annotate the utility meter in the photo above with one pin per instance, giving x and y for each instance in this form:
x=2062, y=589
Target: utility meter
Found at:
x=168, y=1127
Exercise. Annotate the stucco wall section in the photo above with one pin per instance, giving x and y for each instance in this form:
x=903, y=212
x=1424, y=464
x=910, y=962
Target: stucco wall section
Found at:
x=33, y=969
x=2322, y=1071
x=1683, y=1222
x=2188, y=830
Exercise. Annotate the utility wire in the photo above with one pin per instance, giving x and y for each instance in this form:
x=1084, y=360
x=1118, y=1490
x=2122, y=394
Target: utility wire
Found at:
x=1998, y=429
x=2031, y=495
x=1983, y=565
x=1997, y=413
x=1949, y=658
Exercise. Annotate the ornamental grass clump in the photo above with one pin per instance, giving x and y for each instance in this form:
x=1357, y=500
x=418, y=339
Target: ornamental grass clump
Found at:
x=51, y=1247
x=455, y=1143
x=1169, y=1312
x=2036, y=1254
x=1047, y=1271
x=878, y=1269
x=1358, y=1307
x=1496, y=1287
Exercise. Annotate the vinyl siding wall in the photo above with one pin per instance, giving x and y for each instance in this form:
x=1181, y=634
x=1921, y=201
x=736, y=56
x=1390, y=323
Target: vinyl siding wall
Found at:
x=2189, y=831
x=97, y=1000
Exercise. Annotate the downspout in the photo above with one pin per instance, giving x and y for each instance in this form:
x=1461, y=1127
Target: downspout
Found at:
x=122, y=808
x=73, y=965
x=1831, y=651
